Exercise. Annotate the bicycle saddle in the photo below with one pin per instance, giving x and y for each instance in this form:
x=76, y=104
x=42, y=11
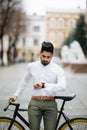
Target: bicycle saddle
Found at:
x=66, y=98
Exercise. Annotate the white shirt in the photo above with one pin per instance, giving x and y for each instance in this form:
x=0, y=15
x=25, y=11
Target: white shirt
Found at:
x=52, y=75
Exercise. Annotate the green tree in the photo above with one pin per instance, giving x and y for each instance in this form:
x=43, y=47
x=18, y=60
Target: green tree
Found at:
x=69, y=39
x=79, y=34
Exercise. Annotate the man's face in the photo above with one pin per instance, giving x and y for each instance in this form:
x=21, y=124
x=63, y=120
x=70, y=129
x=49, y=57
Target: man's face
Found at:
x=45, y=57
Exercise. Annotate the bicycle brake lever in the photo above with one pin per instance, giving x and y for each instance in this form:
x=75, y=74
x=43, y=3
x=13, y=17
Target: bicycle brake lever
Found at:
x=5, y=109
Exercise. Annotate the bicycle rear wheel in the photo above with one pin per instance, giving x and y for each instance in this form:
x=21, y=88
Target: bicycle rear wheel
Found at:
x=76, y=123
x=5, y=121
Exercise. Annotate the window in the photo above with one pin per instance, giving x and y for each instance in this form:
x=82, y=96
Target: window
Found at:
x=52, y=23
x=60, y=23
x=51, y=37
x=35, y=42
x=71, y=24
x=36, y=28
x=60, y=38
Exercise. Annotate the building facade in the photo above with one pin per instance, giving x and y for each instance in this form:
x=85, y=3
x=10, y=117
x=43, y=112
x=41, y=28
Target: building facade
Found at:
x=55, y=27
x=33, y=38
x=59, y=24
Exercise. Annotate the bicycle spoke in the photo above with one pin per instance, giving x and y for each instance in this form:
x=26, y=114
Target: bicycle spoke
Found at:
x=5, y=125
x=5, y=122
x=80, y=126
x=77, y=124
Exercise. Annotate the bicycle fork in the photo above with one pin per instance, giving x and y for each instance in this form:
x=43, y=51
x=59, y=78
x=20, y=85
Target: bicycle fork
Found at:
x=14, y=116
x=10, y=126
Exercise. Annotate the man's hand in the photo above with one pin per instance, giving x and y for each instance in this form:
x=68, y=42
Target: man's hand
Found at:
x=37, y=86
x=13, y=98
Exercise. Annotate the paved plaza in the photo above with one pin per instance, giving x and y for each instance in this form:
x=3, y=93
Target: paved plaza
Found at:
x=10, y=77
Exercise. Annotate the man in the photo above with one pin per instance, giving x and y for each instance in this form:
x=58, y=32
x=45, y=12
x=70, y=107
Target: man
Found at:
x=48, y=79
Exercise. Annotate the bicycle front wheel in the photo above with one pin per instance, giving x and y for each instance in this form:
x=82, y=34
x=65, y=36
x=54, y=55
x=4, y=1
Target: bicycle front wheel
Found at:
x=76, y=123
x=5, y=121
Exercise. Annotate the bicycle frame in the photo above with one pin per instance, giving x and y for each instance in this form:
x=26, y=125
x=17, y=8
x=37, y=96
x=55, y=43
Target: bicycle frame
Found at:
x=17, y=114
x=61, y=113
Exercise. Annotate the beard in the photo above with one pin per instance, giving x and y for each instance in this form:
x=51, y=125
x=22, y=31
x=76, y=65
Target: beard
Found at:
x=45, y=63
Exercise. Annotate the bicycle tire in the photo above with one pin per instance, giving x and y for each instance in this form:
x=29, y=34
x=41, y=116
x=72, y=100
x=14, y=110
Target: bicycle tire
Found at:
x=76, y=123
x=5, y=121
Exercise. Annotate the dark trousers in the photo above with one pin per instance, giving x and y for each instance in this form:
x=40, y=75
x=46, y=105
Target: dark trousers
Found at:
x=41, y=108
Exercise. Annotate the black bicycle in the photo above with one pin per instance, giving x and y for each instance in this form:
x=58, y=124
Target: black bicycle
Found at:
x=7, y=123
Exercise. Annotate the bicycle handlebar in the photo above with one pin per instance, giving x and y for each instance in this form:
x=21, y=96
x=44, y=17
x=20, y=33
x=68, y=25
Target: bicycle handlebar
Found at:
x=11, y=103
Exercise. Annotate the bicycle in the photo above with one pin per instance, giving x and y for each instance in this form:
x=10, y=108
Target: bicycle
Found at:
x=7, y=123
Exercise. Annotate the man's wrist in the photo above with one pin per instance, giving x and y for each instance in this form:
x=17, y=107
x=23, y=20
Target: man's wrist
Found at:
x=43, y=85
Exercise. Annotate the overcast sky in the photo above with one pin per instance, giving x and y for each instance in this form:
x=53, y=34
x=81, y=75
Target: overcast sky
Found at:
x=40, y=6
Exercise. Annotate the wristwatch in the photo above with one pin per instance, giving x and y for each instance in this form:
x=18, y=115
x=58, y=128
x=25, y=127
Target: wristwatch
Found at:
x=43, y=85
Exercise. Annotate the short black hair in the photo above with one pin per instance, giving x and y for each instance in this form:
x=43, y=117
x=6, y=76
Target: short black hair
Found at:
x=47, y=46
